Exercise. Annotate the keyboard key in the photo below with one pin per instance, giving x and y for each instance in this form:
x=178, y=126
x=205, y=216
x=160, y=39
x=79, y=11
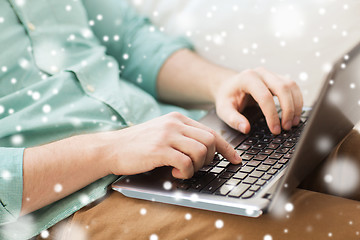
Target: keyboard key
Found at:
x=288, y=155
x=212, y=186
x=243, y=147
x=240, y=175
x=278, y=166
x=224, y=189
x=288, y=144
x=233, y=181
x=183, y=186
x=205, y=168
x=234, y=168
x=265, y=140
x=250, y=180
x=217, y=170
x=260, y=157
x=256, y=174
x=273, y=145
x=270, y=161
x=283, y=161
x=272, y=171
x=223, y=164
x=260, y=182
x=253, y=151
x=260, y=145
x=247, y=194
x=239, y=190
x=276, y=156
x=263, y=167
x=226, y=175
x=247, y=156
x=251, y=141
x=254, y=188
x=282, y=150
x=253, y=163
x=278, y=140
x=247, y=169
x=266, y=177
x=266, y=152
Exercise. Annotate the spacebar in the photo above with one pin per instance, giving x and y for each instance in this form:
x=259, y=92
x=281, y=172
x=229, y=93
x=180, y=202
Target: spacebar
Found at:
x=239, y=190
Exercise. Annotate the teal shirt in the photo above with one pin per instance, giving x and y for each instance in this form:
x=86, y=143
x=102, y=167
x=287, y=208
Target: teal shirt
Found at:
x=69, y=67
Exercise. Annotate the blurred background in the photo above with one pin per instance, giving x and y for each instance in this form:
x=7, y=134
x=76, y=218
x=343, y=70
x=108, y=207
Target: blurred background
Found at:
x=299, y=39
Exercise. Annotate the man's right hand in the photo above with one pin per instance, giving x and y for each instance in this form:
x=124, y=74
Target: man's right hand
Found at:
x=171, y=140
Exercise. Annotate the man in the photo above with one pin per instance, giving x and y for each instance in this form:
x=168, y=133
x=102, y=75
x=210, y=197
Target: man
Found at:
x=67, y=117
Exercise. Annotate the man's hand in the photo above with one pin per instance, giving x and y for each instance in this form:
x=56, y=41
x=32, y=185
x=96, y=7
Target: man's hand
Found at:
x=259, y=85
x=188, y=78
x=171, y=140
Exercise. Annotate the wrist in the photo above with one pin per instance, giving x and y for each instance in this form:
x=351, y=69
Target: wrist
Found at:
x=94, y=150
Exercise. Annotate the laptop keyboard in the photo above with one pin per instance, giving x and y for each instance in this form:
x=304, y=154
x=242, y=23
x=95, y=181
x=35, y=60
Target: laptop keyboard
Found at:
x=264, y=156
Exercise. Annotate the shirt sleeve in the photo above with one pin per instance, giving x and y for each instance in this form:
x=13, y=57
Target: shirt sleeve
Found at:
x=11, y=183
x=138, y=46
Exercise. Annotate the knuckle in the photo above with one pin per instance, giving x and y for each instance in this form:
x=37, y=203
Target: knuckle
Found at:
x=202, y=151
x=176, y=115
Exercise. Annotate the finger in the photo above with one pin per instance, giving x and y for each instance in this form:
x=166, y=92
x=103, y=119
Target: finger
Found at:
x=282, y=88
x=183, y=166
x=232, y=117
x=298, y=101
x=262, y=95
x=204, y=137
x=222, y=146
x=192, y=148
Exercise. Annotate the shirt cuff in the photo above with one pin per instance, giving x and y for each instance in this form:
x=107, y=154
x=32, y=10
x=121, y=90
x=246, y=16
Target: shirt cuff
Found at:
x=158, y=59
x=11, y=183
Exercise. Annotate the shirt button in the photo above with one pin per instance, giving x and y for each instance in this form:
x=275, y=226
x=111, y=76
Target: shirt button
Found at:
x=90, y=88
x=31, y=26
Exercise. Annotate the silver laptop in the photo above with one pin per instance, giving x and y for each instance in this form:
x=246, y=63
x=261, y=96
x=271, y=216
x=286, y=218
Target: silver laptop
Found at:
x=273, y=166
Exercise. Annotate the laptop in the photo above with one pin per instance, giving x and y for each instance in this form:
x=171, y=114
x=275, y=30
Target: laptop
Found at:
x=273, y=165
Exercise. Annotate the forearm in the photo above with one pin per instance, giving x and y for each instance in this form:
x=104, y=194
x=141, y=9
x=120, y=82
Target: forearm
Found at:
x=55, y=170
x=188, y=78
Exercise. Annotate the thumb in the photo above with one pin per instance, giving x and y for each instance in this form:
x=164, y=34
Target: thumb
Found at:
x=232, y=117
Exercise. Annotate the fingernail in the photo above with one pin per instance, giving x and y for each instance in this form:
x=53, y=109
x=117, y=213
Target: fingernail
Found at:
x=288, y=125
x=277, y=129
x=242, y=127
x=296, y=120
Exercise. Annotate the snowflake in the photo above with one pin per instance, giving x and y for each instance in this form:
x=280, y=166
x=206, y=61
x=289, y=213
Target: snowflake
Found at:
x=106, y=38
x=268, y=237
x=188, y=216
x=46, y=108
x=116, y=38
x=2, y=109
x=6, y=175
x=154, y=237
x=58, y=187
x=17, y=139
x=68, y=8
x=2, y=19
x=18, y=128
x=4, y=69
x=219, y=223
x=303, y=76
x=36, y=95
x=45, y=234
x=13, y=81
x=99, y=17
x=143, y=211
x=167, y=185
x=125, y=56
x=289, y=207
